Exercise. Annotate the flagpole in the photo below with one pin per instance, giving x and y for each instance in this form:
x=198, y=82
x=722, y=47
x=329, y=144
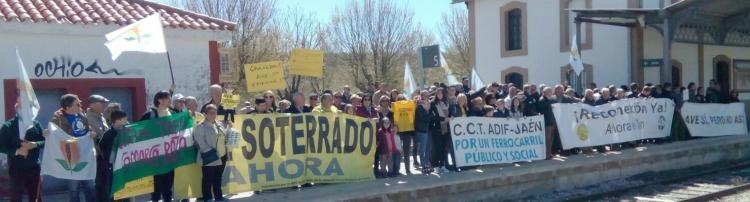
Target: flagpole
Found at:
x=171, y=73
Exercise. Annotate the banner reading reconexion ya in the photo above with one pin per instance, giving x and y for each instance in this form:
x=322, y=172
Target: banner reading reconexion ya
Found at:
x=282, y=150
x=583, y=125
x=715, y=119
x=481, y=141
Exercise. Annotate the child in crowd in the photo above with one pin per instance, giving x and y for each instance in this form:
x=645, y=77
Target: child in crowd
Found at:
x=386, y=135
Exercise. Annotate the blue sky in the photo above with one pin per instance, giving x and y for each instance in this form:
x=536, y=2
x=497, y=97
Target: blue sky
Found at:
x=426, y=12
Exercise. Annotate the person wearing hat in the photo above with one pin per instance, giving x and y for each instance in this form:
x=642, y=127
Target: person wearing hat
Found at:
x=95, y=115
x=261, y=107
x=178, y=102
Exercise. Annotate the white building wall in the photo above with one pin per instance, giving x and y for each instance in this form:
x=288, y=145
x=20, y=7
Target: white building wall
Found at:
x=609, y=55
x=43, y=42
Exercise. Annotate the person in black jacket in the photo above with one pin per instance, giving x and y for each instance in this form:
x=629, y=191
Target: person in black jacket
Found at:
x=23, y=157
x=105, y=157
x=545, y=107
x=215, y=92
x=423, y=121
x=298, y=105
x=162, y=183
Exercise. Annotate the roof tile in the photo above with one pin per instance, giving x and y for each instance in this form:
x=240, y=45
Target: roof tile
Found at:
x=120, y=12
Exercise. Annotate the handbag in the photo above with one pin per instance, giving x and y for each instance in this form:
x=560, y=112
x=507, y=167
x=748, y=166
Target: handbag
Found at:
x=209, y=156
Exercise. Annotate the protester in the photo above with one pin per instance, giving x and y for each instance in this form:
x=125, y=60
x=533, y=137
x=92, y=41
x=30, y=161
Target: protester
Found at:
x=70, y=119
x=178, y=102
x=23, y=157
x=477, y=107
x=367, y=109
x=210, y=136
x=298, y=104
x=284, y=106
x=382, y=90
x=349, y=109
x=545, y=107
x=105, y=157
x=516, y=107
x=691, y=92
x=588, y=97
x=570, y=96
x=620, y=94
x=422, y=123
x=262, y=106
x=604, y=99
x=530, y=103
x=699, y=96
x=500, y=110
x=465, y=85
x=646, y=92
x=111, y=107
x=439, y=133
x=326, y=106
x=387, y=148
x=462, y=106
x=271, y=100
x=346, y=94
x=95, y=115
x=215, y=93
x=337, y=100
x=313, y=101
x=191, y=104
x=163, y=183
x=634, y=90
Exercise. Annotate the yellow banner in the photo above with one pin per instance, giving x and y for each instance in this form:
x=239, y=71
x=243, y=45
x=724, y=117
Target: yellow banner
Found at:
x=230, y=101
x=264, y=76
x=306, y=62
x=187, y=181
x=283, y=150
x=403, y=113
x=137, y=187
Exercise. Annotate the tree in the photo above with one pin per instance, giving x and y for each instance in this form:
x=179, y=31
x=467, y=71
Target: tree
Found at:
x=372, y=37
x=454, y=32
x=300, y=29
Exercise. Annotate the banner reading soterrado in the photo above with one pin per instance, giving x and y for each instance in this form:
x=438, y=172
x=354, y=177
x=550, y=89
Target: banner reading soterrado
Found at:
x=152, y=147
x=715, y=119
x=283, y=150
x=481, y=141
x=582, y=125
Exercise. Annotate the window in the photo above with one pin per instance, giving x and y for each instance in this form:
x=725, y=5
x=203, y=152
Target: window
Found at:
x=224, y=63
x=514, y=30
x=515, y=78
x=514, y=40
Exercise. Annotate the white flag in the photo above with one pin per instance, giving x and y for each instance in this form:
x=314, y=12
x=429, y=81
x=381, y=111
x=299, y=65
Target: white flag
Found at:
x=145, y=35
x=68, y=157
x=448, y=73
x=476, y=82
x=29, y=104
x=409, y=84
x=575, y=56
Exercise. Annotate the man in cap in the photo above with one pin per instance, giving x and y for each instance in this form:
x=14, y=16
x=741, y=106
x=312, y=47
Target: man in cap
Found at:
x=95, y=114
x=261, y=107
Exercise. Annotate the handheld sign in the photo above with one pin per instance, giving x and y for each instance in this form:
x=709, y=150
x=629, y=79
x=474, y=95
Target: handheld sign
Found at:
x=264, y=76
x=306, y=62
x=230, y=101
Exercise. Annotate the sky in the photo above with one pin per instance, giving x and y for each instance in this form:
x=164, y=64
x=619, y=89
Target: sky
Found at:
x=426, y=12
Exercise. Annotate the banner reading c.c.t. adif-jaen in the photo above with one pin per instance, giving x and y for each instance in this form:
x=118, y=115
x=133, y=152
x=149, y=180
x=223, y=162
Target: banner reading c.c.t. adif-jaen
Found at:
x=582, y=125
x=481, y=140
x=282, y=150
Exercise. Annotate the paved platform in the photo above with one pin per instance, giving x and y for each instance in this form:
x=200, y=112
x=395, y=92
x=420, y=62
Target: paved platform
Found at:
x=513, y=181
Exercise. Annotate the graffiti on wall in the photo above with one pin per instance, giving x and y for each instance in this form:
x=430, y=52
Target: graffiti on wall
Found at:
x=65, y=67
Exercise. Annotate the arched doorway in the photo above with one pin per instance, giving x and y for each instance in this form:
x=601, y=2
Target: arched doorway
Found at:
x=515, y=78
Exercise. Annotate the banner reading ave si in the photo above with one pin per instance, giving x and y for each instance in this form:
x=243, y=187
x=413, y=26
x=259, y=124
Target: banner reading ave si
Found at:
x=481, y=141
x=583, y=125
x=715, y=119
x=283, y=150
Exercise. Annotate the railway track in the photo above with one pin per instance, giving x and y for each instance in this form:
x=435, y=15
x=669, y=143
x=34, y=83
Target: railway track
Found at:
x=699, y=187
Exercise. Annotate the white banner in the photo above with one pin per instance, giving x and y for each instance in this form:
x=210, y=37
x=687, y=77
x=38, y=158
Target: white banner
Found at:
x=482, y=141
x=68, y=157
x=582, y=125
x=706, y=120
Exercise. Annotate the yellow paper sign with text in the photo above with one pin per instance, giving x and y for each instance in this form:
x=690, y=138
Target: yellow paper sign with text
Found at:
x=264, y=76
x=135, y=188
x=230, y=101
x=403, y=113
x=285, y=150
x=306, y=62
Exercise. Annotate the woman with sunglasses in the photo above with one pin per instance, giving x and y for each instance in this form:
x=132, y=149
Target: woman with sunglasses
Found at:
x=271, y=100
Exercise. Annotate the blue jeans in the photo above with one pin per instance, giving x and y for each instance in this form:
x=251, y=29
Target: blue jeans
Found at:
x=74, y=189
x=424, y=149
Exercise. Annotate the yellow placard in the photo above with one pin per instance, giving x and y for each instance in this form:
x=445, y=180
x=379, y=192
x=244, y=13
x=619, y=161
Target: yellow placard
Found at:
x=284, y=150
x=306, y=62
x=264, y=76
x=403, y=113
x=137, y=187
x=230, y=101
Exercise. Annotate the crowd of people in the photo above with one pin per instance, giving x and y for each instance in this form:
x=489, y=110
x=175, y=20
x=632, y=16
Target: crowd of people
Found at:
x=428, y=148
